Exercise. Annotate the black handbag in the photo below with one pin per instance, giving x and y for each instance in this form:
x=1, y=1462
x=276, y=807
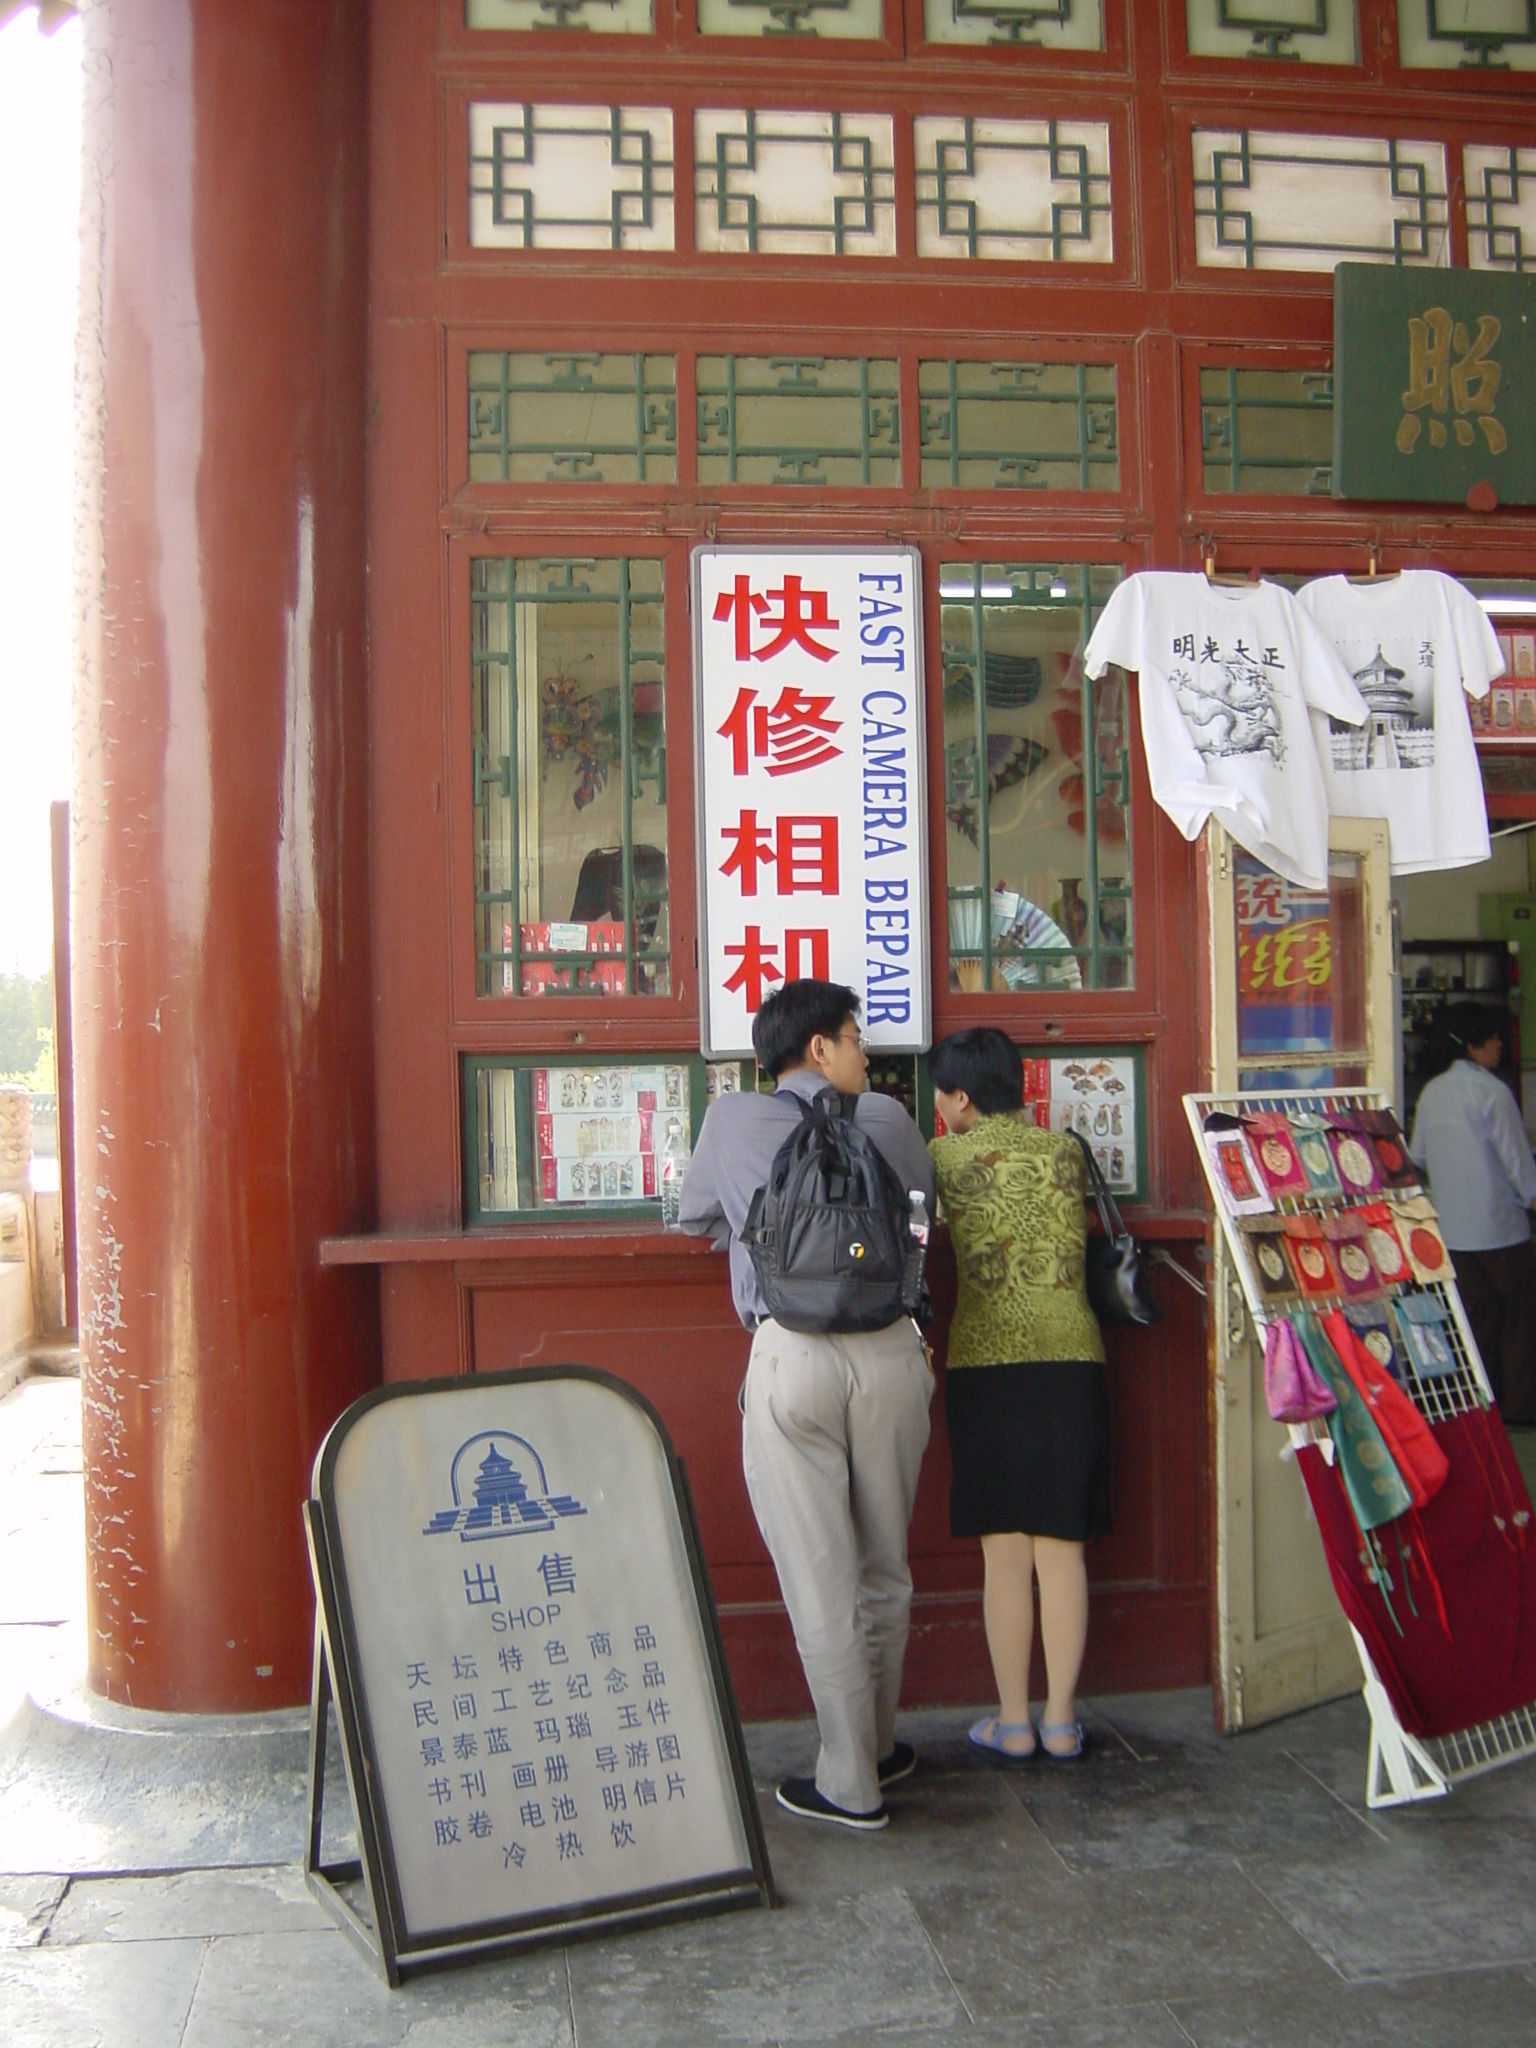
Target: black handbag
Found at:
x=1119, y=1290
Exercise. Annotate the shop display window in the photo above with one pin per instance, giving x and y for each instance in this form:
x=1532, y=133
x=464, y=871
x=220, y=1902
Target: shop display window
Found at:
x=1036, y=783
x=570, y=778
x=1266, y=432
x=1301, y=1019
x=558, y=1135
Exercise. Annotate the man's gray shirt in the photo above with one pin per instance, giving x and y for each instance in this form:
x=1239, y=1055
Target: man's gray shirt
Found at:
x=736, y=1149
x=1468, y=1137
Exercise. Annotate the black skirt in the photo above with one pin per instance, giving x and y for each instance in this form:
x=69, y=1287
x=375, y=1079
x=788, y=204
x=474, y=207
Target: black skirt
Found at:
x=1029, y=1449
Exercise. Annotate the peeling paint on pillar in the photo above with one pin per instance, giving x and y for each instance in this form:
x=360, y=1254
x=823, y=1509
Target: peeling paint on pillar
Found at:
x=219, y=854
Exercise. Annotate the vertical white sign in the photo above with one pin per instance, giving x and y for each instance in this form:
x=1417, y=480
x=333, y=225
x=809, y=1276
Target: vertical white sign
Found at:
x=812, y=798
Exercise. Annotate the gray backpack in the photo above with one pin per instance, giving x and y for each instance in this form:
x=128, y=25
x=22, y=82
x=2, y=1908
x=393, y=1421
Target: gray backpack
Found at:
x=829, y=1235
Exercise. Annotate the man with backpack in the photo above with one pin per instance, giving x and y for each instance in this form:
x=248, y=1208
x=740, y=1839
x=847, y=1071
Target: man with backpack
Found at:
x=813, y=1188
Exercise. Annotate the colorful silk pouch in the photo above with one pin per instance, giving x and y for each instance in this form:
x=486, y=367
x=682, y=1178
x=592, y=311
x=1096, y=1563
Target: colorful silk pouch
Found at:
x=1264, y=1242
x=1419, y=1228
x=1358, y=1276
x=1292, y=1390
x=1397, y=1169
x=1353, y=1159
x=1269, y=1135
x=1311, y=1261
x=1423, y=1321
x=1384, y=1244
x=1237, y=1175
x=1312, y=1150
x=1372, y=1324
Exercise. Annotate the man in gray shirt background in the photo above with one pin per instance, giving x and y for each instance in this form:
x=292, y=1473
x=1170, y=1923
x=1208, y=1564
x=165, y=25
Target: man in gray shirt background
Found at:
x=833, y=1426
x=1469, y=1138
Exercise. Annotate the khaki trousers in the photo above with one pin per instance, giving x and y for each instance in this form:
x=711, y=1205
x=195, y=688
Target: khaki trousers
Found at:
x=834, y=1429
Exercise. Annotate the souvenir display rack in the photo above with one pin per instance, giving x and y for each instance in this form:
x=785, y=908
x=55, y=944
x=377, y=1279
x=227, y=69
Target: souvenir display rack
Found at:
x=1400, y=1767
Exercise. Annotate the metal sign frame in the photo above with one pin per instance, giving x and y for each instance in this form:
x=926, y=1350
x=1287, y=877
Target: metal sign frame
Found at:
x=376, y=1923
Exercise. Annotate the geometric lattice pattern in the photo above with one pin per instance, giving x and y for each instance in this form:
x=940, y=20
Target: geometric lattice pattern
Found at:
x=572, y=418
x=1466, y=35
x=1018, y=191
x=563, y=177
x=1266, y=201
x=860, y=21
x=816, y=184
x=798, y=420
x=1267, y=431
x=1018, y=426
x=1501, y=206
x=1315, y=31
x=601, y=17
x=1031, y=24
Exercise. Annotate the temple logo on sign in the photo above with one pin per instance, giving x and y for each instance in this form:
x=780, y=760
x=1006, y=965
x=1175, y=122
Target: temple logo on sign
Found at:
x=1396, y=734
x=491, y=1496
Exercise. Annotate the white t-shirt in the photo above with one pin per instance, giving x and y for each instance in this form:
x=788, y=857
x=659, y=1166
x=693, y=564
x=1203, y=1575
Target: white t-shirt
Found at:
x=1414, y=644
x=1228, y=677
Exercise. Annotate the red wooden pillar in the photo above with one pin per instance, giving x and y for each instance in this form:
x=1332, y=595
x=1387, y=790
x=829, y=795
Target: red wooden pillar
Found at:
x=220, y=880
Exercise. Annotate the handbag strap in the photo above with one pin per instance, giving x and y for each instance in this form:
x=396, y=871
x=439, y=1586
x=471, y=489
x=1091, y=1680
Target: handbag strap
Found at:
x=1109, y=1210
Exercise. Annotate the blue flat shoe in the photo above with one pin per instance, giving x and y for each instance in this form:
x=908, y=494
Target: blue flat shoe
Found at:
x=990, y=1734
x=1062, y=1756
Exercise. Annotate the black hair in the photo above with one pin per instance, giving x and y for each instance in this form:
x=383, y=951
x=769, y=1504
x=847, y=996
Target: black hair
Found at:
x=795, y=1014
x=985, y=1063
x=1472, y=1024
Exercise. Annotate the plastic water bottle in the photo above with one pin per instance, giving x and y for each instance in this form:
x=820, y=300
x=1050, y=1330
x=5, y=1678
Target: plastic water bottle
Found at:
x=674, y=1163
x=917, y=1246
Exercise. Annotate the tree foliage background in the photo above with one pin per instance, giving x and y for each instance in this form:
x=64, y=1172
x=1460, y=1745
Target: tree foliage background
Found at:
x=26, y=1030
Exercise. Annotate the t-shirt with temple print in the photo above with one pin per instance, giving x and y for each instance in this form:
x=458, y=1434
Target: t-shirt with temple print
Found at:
x=1416, y=644
x=1228, y=680
x=1013, y=1198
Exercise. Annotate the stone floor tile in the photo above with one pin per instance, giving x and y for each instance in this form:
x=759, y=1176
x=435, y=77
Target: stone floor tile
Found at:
x=848, y=1966
x=943, y=1830
x=1111, y=1939
x=99, y=1997
x=1114, y=1815
x=1447, y=1896
x=1112, y=2026
x=294, y=1990
x=192, y=1904
x=26, y=1906
x=1464, y=2009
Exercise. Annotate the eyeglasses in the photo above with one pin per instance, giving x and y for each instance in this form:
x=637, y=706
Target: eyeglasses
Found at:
x=856, y=1038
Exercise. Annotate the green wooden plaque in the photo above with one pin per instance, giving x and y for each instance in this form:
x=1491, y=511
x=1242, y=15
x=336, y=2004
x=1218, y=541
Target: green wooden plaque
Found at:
x=1434, y=393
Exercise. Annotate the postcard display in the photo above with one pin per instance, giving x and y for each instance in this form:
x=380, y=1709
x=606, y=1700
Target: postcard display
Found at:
x=536, y=1719
x=1322, y=1213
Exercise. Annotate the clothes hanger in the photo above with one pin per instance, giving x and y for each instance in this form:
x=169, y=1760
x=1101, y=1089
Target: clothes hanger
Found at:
x=1225, y=579
x=1373, y=568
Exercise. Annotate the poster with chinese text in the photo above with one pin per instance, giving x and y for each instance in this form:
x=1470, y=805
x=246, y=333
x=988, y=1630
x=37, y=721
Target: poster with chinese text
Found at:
x=812, y=804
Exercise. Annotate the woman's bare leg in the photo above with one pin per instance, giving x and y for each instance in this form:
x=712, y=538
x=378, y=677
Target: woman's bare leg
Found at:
x=1008, y=1609
x=1063, y=1630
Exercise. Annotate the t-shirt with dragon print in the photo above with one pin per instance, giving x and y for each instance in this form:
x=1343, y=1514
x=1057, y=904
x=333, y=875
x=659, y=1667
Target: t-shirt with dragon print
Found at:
x=1013, y=1198
x=1228, y=678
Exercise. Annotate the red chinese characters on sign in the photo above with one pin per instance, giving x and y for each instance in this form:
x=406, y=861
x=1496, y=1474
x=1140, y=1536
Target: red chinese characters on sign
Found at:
x=801, y=615
x=806, y=953
x=792, y=734
x=801, y=852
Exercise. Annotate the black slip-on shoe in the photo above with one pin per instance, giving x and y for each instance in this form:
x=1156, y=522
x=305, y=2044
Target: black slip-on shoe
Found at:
x=901, y=1763
x=799, y=1795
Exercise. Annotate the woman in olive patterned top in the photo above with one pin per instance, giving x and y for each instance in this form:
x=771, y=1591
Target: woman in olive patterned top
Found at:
x=1025, y=1396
